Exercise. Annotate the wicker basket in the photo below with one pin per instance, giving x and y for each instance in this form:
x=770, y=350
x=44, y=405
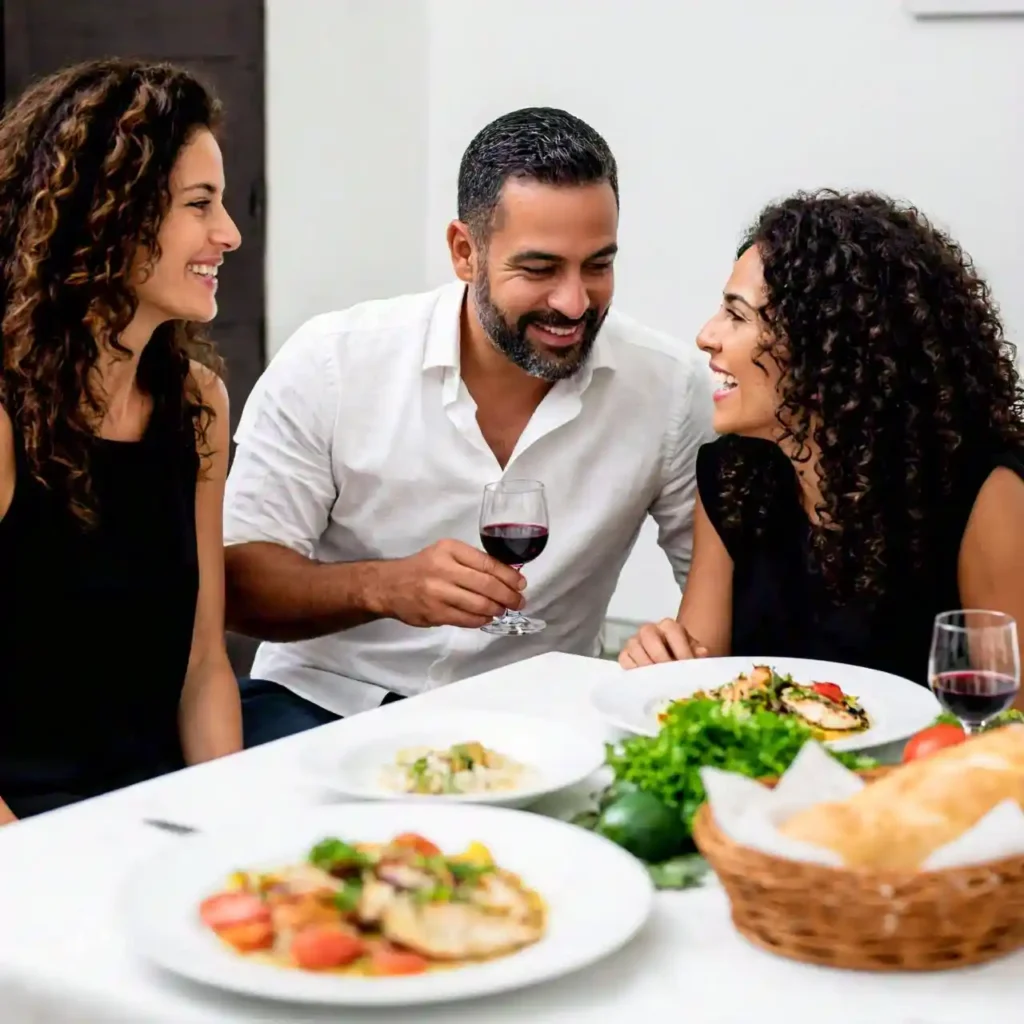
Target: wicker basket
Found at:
x=876, y=921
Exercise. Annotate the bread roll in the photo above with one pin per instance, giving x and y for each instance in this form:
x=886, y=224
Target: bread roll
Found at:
x=897, y=822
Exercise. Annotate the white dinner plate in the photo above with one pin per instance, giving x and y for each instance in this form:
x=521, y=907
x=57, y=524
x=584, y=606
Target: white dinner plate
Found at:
x=554, y=754
x=598, y=898
x=897, y=707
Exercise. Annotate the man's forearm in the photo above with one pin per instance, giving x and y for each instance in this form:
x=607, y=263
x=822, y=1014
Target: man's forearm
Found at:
x=6, y=815
x=274, y=593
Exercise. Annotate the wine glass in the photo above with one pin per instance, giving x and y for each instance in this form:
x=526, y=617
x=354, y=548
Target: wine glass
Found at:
x=974, y=665
x=514, y=530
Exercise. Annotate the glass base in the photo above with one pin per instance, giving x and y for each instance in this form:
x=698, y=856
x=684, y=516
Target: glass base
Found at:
x=513, y=624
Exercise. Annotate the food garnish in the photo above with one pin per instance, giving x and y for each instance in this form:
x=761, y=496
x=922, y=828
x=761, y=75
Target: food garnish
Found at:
x=462, y=768
x=649, y=808
x=392, y=908
x=822, y=705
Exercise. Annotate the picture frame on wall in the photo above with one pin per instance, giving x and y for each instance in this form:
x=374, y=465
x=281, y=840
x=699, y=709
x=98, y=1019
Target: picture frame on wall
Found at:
x=964, y=8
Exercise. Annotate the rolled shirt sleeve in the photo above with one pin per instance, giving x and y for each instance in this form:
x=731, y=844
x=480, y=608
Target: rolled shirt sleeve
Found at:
x=281, y=487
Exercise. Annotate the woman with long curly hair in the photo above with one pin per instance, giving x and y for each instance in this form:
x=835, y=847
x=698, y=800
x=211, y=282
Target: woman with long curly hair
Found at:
x=113, y=435
x=870, y=471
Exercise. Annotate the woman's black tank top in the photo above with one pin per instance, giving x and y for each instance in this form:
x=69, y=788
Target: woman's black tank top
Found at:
x=781, y=607
x=96, y=624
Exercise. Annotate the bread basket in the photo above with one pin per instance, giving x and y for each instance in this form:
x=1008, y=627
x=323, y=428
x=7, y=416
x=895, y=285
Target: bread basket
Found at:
x=876, y=921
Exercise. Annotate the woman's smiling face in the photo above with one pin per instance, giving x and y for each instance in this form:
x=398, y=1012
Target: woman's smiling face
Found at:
x=748, y=397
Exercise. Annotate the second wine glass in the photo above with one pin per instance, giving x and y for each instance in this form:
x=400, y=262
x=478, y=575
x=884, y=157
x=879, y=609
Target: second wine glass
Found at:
x=514, y=530
x=974, y=665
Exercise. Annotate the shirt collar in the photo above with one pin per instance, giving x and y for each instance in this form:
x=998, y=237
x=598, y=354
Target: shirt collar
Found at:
x=442, y=347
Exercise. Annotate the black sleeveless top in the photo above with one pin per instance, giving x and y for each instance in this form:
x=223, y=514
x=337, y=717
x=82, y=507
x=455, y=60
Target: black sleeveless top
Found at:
x=780, y=605
x=96, y=624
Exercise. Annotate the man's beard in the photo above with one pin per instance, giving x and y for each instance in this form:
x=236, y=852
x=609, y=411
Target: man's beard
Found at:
x=550, y=364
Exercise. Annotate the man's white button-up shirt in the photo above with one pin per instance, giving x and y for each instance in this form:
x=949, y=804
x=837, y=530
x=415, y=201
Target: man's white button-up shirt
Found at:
x=360, y=442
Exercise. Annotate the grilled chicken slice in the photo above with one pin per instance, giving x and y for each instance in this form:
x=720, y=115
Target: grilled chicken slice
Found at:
x=821, y=712
x=405, y=876
x=456, y=931
x=303, y=878
x=743, y=686
x=374, y=900
x=293, y=913
x=500, y=895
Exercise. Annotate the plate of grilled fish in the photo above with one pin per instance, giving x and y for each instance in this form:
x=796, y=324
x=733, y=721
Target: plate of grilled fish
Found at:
x=844, y=706
x=375, y=904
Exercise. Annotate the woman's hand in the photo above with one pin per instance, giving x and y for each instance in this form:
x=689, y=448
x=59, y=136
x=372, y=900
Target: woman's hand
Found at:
x=659, y=642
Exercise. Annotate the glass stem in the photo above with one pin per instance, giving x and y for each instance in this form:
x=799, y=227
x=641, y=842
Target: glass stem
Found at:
x=509, y=616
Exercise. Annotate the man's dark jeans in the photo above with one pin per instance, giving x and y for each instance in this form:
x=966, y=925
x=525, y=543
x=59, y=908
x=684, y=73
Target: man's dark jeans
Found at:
x=271, y=712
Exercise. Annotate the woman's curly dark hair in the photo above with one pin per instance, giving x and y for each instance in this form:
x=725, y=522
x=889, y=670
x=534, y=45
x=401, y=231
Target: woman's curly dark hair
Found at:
x=894, y=364
x=85, y=163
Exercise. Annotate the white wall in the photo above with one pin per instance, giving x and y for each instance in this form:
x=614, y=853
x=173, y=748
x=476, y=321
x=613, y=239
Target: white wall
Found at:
x=711, y=108
x=346, y=154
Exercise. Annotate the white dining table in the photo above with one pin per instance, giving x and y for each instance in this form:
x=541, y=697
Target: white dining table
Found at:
x=64, y=960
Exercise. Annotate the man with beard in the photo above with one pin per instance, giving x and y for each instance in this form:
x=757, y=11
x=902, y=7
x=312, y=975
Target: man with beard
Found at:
x=352, y=509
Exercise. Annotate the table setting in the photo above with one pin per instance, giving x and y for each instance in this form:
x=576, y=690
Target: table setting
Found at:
x=163, y=902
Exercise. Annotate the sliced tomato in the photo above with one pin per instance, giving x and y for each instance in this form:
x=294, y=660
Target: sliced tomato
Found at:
x=830, y=690
x=247, y=938
x=931, y=740
x=389, y=960
x=229, y=909
x=417, y=843
x=322, y=947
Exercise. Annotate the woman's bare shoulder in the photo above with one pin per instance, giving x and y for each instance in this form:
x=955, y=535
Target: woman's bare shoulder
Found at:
x=210, y=385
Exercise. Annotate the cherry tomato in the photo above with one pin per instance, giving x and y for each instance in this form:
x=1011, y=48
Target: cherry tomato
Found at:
x=248, y=938
x=830, y=690
x=317, y=949
x=229, y=909
x=240, y=919
x=388, y=960
x=417, y=843
x=931, y=740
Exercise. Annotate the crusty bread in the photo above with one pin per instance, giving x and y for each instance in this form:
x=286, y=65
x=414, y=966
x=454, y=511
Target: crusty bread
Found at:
x=898, y=821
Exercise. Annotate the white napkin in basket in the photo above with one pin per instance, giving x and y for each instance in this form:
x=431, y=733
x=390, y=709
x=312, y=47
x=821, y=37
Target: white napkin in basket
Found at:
x=750, y=814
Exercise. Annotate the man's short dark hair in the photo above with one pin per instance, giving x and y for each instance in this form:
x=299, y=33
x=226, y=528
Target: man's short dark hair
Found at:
x=540, y=144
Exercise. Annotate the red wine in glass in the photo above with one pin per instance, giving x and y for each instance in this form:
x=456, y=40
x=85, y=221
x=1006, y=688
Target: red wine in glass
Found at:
x=975, y=697
x=514, y=543
x=514, y=530
x=974, y=664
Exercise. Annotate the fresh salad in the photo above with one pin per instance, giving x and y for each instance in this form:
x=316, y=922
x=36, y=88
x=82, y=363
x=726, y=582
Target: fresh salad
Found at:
x=831, y=713
x=649, y=807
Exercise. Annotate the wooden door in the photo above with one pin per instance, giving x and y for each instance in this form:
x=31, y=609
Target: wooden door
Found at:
x=223, y=42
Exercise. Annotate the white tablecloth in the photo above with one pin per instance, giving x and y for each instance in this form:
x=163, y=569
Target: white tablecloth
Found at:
x=63, y=960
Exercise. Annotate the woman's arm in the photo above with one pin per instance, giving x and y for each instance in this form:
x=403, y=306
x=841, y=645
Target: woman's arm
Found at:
x=703, y=626
x=706, y=609
x=7, y=476
x=991, y=564
x=210, y=714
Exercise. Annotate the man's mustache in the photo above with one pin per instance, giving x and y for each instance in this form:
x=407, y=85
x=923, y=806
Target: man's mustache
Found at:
x=556, y=319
